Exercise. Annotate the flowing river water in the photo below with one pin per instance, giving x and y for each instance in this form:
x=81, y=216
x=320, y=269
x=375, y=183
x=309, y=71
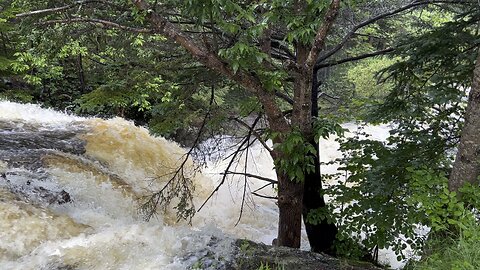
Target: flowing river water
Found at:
x=69, y=189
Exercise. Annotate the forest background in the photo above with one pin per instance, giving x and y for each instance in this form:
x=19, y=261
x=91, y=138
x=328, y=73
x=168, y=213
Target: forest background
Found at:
x=290, y=72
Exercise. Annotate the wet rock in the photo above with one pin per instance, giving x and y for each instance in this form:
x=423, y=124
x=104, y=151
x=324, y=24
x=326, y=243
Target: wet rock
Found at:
x=22, y=144
x=51, y=197
x=63, y=197
x=248, y=255
x=29, y=185
x=59, y=266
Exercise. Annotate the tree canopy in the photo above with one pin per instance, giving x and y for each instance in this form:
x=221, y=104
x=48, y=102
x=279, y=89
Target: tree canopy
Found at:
x=285, y=71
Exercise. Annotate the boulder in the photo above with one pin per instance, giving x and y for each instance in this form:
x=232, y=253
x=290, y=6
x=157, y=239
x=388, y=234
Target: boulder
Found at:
x=249, y=255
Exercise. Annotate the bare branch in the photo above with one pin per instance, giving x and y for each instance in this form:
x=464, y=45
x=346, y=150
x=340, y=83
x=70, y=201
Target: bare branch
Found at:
x=99, y=22
x=52, y=10
x=264, y=196
x=232, y=160
x=354, y=58
x=266, y=179
x=59, y=9
x=245, y=184
x=254, y=133
x=224, y=175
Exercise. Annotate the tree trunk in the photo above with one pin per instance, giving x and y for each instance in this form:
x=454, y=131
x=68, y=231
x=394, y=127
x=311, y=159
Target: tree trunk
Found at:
x=290, y=195
x=321, y=236
x=290, y=191
x=81, y=75
x=466, y=168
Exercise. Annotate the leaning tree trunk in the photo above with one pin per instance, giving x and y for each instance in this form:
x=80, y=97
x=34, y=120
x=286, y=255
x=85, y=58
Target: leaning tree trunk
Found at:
x=466, y=168
x=321, y=235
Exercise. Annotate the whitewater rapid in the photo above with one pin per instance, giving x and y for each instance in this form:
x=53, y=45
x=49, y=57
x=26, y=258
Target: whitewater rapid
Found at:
x=106, y=166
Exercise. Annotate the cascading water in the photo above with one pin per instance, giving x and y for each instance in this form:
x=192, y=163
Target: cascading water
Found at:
x=69, y=188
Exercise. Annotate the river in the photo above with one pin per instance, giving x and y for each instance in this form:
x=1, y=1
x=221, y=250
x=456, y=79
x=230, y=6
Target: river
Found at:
x=69, y=190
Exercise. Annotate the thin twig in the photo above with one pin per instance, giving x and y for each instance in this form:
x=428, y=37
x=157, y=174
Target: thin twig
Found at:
x=264, y=196
x=254, y=132
x=224, y=175
x=266, y=179
x=244, y=188
x=63, y=8
x=230, y=163
x=155, y=198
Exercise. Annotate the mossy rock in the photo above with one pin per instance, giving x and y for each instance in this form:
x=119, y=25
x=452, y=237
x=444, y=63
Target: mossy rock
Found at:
x=248, y=255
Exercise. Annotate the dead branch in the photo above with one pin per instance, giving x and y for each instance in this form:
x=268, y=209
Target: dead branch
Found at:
x=232, y=160
x=149, y=208
x=245, y=183
x=224, y=175
x=97, y=22
x=266, y=179
x=354, y=58
x=264, y=196
x=63, y=8
x=254, y=132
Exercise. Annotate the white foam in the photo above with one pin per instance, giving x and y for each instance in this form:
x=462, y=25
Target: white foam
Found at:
x=119, y=166
x=32, y=113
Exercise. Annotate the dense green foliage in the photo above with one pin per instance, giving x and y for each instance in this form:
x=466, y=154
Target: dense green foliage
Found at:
x=400, y=185
x=386, y=191
x=457, y=252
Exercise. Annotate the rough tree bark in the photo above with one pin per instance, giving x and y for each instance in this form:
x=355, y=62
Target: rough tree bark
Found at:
x=322, y=235
x=466, y=168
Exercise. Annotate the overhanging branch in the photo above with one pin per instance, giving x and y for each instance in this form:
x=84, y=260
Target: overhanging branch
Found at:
x=354, y=58
x=211, y=60
x=353, y=31
x=104, y=23
x=253, y=132
x=60, y=9
x=266, y=179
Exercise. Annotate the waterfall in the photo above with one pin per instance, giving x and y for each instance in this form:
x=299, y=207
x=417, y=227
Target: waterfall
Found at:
x=104, y=167
x=70, y=190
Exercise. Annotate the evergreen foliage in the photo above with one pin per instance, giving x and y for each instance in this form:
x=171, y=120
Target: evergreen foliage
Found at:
x=112, y=64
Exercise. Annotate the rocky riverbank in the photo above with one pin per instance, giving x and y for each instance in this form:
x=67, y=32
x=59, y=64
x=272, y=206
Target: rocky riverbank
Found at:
x=249, y=255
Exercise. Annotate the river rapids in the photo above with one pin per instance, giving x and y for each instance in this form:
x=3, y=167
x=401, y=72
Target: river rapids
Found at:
x=69, y=190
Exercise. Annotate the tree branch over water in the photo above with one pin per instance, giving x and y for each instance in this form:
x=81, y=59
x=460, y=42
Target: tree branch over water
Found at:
x=185, y=209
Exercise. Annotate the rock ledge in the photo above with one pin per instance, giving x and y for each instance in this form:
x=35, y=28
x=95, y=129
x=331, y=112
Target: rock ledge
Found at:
x=249, y=255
